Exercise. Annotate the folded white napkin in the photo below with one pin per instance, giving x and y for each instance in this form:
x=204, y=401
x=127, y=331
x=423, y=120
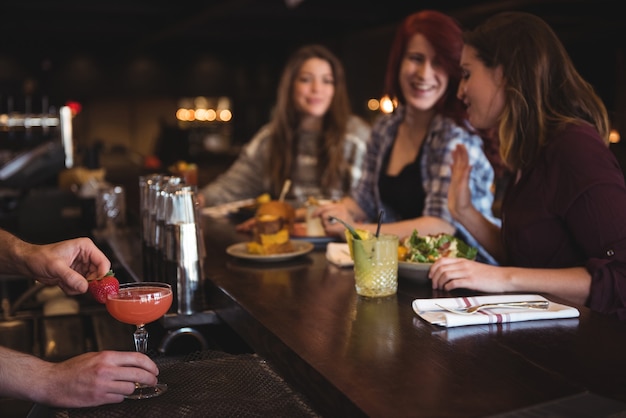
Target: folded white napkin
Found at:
x=429, y=311
x=339, y=254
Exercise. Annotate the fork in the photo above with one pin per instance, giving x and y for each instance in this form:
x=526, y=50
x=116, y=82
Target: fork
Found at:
x=532, y=304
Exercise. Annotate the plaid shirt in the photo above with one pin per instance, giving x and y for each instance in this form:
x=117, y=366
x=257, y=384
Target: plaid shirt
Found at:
x=440, y=141
x=246, y=177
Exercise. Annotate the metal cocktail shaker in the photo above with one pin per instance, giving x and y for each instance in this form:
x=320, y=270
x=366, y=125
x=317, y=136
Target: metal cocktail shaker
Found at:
x=148, y=185
x=184, y=249
x=169, y=184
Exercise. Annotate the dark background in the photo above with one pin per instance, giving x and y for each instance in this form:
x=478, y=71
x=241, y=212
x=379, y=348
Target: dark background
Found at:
x=120, y=51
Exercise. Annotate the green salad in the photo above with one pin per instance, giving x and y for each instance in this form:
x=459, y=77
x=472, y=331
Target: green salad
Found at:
x=429, y=248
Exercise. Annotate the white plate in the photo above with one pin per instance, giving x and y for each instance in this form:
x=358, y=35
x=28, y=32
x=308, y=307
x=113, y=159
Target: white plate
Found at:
x=240, y=250
x=417, y=272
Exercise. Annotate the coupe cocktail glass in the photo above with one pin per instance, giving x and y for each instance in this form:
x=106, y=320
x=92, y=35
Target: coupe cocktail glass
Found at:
x=138, y=304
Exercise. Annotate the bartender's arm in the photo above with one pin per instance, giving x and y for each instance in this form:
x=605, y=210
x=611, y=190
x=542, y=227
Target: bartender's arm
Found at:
x=89, y=379
x=67, y=264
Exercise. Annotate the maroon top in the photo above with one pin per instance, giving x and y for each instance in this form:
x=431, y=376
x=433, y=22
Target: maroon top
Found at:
x=569, y=210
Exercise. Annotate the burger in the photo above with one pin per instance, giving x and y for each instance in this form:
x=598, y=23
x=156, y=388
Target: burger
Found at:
x=273, y=223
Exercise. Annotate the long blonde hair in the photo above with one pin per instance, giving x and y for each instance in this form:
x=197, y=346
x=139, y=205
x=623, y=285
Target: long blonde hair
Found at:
x=285, y=121
x=542, y=87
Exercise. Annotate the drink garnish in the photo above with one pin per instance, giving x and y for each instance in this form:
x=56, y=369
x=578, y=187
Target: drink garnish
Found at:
x=103, y=286
x=354, y=234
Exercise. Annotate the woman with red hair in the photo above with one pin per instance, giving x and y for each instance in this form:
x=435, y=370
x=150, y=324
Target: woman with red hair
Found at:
x=408, y=160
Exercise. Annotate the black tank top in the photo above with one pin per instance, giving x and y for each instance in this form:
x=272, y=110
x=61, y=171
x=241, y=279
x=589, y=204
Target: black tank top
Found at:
x=404, y=193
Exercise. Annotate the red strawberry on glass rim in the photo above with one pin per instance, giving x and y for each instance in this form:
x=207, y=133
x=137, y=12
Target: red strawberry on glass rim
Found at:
x=100, y=288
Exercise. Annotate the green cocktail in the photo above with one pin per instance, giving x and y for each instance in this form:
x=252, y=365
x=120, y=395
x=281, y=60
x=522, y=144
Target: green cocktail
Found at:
x=375, y=265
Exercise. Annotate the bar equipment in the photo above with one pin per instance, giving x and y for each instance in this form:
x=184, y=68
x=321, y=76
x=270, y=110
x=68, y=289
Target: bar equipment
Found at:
x=169, y=184
x=110, y=207
x=173, y=252
x=184, y=249
x=34, y=147
x=150, y=187
x=145, y=183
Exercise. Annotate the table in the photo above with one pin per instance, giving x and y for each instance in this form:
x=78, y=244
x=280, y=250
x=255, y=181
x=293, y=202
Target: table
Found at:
x=356, y=357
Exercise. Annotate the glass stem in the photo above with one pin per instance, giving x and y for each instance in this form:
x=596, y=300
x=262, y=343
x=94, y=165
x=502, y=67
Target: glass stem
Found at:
x=141, y=339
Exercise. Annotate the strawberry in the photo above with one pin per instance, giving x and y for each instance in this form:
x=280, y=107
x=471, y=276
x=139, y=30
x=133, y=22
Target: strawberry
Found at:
x=103, y=286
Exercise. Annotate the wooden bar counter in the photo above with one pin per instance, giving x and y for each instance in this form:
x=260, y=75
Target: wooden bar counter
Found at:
x=357, y=357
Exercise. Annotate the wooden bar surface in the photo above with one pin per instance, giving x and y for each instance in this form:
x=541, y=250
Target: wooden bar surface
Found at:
x=357, y=357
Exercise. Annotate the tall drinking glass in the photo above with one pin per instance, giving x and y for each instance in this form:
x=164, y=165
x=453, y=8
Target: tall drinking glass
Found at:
x=376, y=265
x=138, y=304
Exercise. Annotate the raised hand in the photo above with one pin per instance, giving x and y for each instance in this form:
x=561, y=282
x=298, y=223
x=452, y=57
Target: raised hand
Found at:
x=459, y=195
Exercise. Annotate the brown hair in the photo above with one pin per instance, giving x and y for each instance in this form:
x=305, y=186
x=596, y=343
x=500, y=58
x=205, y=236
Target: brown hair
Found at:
x=286, y=119
x=446, y=37
x=542, y=87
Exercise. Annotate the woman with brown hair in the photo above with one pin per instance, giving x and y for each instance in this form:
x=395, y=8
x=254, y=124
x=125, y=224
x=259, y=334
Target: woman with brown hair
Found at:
x=313, y=139
x=563, y=230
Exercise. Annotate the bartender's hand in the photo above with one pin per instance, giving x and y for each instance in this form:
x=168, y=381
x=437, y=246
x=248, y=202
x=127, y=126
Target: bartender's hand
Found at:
x=67, y=264
x=90, y=379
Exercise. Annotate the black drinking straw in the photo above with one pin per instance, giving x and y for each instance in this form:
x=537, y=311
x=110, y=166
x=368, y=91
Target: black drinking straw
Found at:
x=380, y=219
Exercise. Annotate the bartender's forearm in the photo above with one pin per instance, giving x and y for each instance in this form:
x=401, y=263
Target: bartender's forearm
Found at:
x=10, y=249
x=19, y=373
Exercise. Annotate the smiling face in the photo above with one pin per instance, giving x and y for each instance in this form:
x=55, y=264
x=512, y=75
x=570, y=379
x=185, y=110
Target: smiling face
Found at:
x=314, y=87
x=481, y=89
x=422, y=78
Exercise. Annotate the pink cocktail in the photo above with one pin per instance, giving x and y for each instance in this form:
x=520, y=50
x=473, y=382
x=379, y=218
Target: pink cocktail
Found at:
x=138, y=304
